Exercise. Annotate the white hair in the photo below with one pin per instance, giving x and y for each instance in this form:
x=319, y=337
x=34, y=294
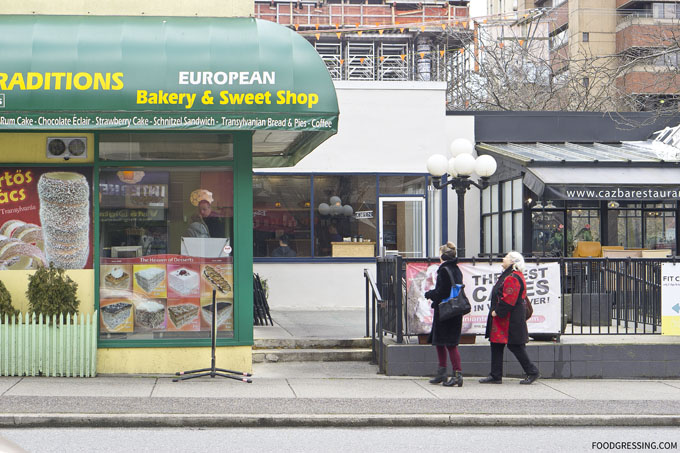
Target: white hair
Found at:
x=517, y=259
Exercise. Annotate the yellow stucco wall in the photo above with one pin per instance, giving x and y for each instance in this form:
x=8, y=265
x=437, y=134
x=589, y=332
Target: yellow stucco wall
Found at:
x=211, y=8
x=16, y=283
x=171, y=360
x=31, y=148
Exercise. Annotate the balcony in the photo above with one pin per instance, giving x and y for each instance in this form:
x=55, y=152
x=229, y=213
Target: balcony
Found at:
x=649, y=80
x=642, y=30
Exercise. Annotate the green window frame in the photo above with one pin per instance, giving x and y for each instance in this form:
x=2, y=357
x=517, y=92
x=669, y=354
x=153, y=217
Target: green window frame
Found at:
x=243, y=235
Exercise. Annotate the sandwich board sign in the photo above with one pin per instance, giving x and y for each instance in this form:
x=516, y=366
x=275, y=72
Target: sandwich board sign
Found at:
x=670, y=298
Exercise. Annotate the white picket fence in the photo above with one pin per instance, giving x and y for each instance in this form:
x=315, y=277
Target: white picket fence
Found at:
x=32, y=346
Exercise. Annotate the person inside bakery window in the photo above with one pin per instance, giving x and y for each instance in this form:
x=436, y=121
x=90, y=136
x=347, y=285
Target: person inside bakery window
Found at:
x=206, y=223
x=283, y=250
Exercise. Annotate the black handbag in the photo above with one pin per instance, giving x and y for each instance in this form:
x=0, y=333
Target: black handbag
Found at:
x=457, y=304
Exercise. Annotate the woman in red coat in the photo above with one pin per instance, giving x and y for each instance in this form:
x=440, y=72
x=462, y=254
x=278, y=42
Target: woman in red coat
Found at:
x=507, y=323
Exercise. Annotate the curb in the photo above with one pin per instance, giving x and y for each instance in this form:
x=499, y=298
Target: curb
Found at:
x=329, y=420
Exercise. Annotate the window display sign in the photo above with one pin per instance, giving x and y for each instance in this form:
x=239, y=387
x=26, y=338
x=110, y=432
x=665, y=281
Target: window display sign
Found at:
x=165, y=293
x=45, y=217
x=543, y=289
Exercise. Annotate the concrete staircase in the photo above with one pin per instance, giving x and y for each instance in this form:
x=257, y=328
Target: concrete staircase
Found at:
x=312, y=350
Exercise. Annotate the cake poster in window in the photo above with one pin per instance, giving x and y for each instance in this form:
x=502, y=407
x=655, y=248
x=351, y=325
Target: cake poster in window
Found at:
x=224, y=314
x=116, y=277
x=45, y=217
x=183, y=281
x=149, y=314
x=149, y=280
x=218, y=276
x=116, y=315
x=183, y=314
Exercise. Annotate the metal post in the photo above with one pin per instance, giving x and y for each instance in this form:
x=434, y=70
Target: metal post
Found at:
x=460, y=246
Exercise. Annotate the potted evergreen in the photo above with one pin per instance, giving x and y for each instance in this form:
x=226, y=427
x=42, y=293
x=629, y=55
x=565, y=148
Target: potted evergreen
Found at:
x=51, y=292
x=6, y=307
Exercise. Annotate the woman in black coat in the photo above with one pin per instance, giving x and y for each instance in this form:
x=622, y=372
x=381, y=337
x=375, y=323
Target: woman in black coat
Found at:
x=506, y=323
x=445, y=335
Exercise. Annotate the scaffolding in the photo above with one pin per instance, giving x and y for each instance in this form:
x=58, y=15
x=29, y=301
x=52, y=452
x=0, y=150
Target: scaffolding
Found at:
x=322, y=14
x=362, y=41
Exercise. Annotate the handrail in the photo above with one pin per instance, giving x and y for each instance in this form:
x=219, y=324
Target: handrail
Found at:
x=375, y=299
x=372, y=283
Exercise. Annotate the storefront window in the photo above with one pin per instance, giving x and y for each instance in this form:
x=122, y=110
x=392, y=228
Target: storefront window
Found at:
x=148, y=146
x=502, y=228
x=166, y=236
x=549, y=233
x=345, y=207
x=281, y=216
x=583, y=224
x=402, y=184
x=628, y=227
x=660, y=227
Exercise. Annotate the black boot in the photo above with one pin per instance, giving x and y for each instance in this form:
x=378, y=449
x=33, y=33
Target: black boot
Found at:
x=456, y=379
x=440, y=377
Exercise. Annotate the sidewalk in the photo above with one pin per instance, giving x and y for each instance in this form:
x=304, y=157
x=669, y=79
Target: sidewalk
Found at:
x=332, y=394
x=335, y=393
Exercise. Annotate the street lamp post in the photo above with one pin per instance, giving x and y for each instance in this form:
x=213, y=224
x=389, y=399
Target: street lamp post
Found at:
x=460, y=167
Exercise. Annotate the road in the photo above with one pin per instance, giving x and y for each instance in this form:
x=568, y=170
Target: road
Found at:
x=345, y=440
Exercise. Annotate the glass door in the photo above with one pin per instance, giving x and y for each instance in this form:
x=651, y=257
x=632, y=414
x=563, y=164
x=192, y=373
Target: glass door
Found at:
x=402, y=226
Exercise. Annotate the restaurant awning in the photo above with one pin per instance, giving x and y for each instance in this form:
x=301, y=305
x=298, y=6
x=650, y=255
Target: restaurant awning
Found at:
x=167, y=73
x=643, y=170
x=604, y=183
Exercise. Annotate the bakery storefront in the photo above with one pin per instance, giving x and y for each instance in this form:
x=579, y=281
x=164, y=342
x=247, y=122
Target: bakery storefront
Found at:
x=128, y=145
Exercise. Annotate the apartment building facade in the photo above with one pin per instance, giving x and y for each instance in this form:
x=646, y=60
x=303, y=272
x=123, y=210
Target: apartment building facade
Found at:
x=622, y=50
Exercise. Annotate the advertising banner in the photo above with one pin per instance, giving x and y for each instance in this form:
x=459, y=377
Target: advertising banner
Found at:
x=45, y=216
x=543, y=289
x=670, y=298
x=165, y=293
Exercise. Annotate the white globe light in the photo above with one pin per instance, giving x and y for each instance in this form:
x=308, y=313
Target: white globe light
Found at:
x=452, y=167
x=336, y=209
x=485, y=166
x=335, y=200
x=461, y=146
x=437, y=165
x=465, y=164
x=324, y=209
x=347, y=210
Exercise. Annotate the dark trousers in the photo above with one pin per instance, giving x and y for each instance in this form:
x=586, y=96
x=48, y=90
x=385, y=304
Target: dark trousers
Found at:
x=520, y=352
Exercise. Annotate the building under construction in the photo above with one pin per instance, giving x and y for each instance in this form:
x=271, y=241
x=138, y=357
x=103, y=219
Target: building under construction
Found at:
x=376, y=40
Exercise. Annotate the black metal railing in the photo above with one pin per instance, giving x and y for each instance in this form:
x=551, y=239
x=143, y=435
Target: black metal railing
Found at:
x=600, y=296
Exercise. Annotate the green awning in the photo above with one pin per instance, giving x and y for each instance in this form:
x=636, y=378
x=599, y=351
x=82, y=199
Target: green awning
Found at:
x=166, y=73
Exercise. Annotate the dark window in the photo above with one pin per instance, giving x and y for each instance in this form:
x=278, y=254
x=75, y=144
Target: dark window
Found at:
x=281, y=208
x=165, y=146
x=586, y=37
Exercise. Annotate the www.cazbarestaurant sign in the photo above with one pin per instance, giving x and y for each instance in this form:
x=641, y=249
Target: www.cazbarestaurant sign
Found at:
x=641, y=192
x=160, y=73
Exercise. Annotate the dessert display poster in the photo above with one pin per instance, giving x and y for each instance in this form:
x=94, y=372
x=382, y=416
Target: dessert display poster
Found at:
x=165, y=293
x=20, y=209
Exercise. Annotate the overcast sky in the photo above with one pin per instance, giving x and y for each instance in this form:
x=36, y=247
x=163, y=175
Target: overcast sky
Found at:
x=477, y=8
